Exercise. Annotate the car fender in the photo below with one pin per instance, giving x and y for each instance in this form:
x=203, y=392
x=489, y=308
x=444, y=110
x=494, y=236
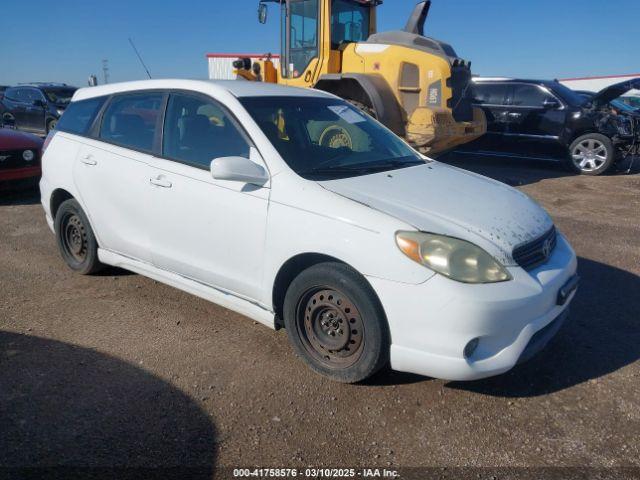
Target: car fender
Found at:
x=306, y=218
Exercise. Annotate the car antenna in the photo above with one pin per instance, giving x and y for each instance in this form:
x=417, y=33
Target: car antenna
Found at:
x=139, y=57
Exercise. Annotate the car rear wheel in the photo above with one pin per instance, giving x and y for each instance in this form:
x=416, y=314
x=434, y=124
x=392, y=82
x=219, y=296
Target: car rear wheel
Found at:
x=336, y=323
x=75, y=238
x=591, y=154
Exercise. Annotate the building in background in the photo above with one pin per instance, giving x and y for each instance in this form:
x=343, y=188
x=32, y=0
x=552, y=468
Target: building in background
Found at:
x=595, y=84
x=221, y=64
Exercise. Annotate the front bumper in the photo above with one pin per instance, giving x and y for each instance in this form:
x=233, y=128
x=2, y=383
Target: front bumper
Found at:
x=432, y=323
x=19, y=173
x=436, y=131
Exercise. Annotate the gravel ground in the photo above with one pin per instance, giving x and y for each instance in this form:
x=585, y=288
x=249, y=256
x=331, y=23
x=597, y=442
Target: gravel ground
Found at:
x=119, y=370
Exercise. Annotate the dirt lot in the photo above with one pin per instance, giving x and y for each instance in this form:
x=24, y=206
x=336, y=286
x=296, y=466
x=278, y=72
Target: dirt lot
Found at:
x=119, y=370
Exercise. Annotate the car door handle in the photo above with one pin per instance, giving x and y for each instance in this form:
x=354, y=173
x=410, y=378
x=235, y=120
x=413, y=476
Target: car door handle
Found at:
x=515, y=114
x=88, y=160
x=160, y=181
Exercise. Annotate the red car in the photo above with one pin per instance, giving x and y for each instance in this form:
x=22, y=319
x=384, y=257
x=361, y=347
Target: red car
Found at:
x=19, y=158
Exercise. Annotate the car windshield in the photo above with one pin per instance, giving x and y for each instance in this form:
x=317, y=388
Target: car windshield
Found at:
x=573, y=98
x=59, y=95
x=324, y=138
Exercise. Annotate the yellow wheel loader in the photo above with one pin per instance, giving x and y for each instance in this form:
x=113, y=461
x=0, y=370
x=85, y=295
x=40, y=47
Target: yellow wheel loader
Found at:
x=413, y=84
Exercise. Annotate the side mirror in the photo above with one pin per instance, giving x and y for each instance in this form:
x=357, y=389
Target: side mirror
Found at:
x=550, y=104
x=38, y=103
x=262, y=13
x=238, y=169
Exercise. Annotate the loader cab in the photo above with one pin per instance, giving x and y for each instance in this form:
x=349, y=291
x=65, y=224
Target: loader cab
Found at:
x=314, y=32
x=351, y=21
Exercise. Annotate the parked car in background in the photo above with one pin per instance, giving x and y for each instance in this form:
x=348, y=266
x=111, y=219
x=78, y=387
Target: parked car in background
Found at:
x=617, y=105
x=19, y=159
x=35, y=108
x=632, y=101
x=2, y=89
x=544, y=119
x=621, y=107
x=366, y=253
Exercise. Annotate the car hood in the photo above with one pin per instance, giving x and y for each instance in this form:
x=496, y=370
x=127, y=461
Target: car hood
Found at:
x=15, y=140
x=445, y=200
x=612, y=92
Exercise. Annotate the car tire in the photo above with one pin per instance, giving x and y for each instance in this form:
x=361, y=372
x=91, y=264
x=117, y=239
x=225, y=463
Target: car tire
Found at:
x=75, y=238
x=336, y=323
x=51, y=124
x=8, y=120
x=591, y=154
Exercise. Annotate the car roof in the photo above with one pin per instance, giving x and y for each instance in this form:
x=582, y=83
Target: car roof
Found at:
x=44, y=85
x=513, y=80
x=238, y=88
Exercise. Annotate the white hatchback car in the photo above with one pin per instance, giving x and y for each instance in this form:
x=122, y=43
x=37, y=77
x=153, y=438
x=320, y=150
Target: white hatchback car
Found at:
x=293, y=208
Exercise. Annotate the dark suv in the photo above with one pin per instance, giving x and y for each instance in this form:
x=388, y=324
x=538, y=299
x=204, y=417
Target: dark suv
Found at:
x=35, y=108
x=546, y=120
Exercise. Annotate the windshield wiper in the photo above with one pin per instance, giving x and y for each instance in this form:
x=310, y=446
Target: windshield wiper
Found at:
x=388, y=164
x=363, y=168
x=331, y=170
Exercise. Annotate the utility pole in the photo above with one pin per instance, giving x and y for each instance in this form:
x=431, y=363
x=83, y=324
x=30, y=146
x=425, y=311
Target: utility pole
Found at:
x=105, y=70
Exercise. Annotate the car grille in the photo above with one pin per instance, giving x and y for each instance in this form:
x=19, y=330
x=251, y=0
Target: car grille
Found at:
x=13, y=159
x=536, y=252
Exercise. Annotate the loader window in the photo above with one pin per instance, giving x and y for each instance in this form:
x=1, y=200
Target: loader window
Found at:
x=349, y=22
x=303, y=36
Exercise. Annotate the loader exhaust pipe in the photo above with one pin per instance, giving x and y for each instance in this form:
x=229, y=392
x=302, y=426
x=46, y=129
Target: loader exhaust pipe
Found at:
x=418, y=18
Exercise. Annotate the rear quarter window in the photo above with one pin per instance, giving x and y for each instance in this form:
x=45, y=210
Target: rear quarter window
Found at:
x=79, y=116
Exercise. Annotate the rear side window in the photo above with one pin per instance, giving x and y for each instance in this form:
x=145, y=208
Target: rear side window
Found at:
x=132, y=120
x=31, y=95
x=490, y=93
x=79, y=116
x=529, y=96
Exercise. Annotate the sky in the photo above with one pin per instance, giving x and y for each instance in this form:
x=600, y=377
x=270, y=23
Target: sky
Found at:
x=66, y=41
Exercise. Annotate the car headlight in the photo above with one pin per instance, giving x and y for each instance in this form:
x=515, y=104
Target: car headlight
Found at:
x=59, y=111
x=28, y=155
x=454, y=258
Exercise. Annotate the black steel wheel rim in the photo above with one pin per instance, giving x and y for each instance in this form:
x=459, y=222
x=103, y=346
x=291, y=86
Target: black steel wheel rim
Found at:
x=330, y=327
x=74, y=237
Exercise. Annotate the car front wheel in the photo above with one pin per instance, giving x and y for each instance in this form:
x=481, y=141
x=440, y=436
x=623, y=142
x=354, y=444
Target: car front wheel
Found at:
x=336, y=323
x=591, y=154
x=75, y=238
